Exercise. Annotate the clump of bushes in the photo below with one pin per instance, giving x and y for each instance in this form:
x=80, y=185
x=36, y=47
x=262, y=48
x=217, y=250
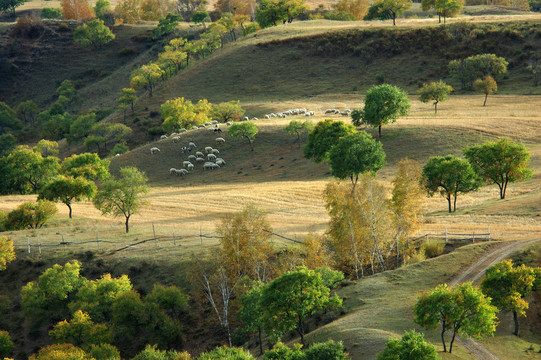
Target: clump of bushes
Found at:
x=30, y=215
x=339, y=15
x=51, y=13
x=433, y=248
x=28, y=26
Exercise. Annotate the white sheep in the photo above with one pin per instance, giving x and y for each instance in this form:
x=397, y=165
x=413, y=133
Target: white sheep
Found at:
x=190, y=166
x=186, y=163
x=214, y=122
x=267, y=116
x=194, y=127
x=182, y=130
x=215, y=151
x=181, y=172
x=211, y=157
x=208, y=166
x=154, y=150
x=191, y=158
x=220, y=140
x=117, y=155
x=220, y=162
x=199, y=154
x=208, y=123
x=229, y=123
x=208, y=149
x=201, y=126
x=163, y=137
x=172, y=171
x=246, y=118
x=215, y=166
x=199, y=160
x=192, y=145
x=176, y=139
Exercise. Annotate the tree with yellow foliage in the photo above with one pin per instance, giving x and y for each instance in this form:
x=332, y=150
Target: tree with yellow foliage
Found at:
x=7, y=252
x=358, y=8
x=76, y=10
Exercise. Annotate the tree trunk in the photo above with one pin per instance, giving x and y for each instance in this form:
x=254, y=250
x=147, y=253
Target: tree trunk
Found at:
x=250, y=141
x=485, y=103
x=449, y=202
x=69, y=207
x=442, y=335
x=504, y=188
x=436, y=107
x=439, y=18
x=300, y=330
x=452, y=341
x=379, y=131
x=260, y=341
x=454, y=204
x=394, y=18
x=127, y=224
x=515, y=319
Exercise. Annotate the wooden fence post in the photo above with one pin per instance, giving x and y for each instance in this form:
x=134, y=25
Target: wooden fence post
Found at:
x=39, y=247
x=28, y=244
x=473, y=237
x=154, y=231
x=446, y=239
x=98, y=239
x=488, y=232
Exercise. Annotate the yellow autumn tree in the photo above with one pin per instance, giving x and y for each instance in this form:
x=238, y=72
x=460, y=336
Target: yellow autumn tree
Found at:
x=7, y=252
x=316, y=252
x=358, y=8
x=76, y=10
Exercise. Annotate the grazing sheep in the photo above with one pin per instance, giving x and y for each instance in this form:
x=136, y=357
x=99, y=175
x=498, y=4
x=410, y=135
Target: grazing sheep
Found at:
x=154, y=150
x=172, y=171
x=182, y=130
x=191, y=145
x=220, y=140
x=208, y=149
x=181, y=172
x=176, y=139
x=229, y=123
x=217, y=130
x=215, y=151
x=163, y=137
x=215, y=166
x=191, y=158
x=207, y=166
x=267, y=116
x=220, y=162
x=211, y=157
x=194, y=127
x=199, y=154
x=246, y=118
x=190, y=166
x=254, y=119
x=215, y=122
x=186, y=163
x=208, y=123
x=199, y=160
x=117, y=155
x=201, y=126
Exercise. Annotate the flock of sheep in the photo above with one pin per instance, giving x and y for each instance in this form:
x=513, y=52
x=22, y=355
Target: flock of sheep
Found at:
x=290, y=112
x=209, y=159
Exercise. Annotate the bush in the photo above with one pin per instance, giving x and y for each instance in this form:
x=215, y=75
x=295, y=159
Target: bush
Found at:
x=226, y=353
x=416, y=257
x=327, y=350
x=28, y=26
x=433, y=248
x=30, y=215
x=104, y=352
x=51, y=13
x=411, y=346
x=282, y=352
x=108, y=18
x=252, y=28
x=3, y=220
x=6, y=345
x=119, y=148
x=339, y=15
x=155, y=131
x=63, y=27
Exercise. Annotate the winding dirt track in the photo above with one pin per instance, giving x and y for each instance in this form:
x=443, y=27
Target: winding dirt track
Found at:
x=473, y=273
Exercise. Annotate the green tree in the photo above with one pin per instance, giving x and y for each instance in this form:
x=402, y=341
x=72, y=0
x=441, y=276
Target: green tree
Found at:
x=450, y=176
x=355, y=154
x=106, y=132
x=435, y=91
x=170, y=299
x=270, y=12
x=477, y=66
x=199, y=17
x=27, y=112
x=60, y=352
x=8, y=118
x=6, y=345
x=80, y=127
x=388, y=9
x=166, y=26
x=122, y=196
x=96, y=297
x=86, y=165
x=226, y=353
x=46, y=148
x=445, y=8
x=179, y=113
x=127, y=99
x=250, y=312
x=146, y=77
x=104, y=352
x=81, y=331
x=7, y=253
x=173, y=55
x=281, y=352
x=463, y=309
x=486, y=86
x=412, y=346
x=508, y=286
x=101, y=8
x=297, y=128
x=8, y=143
x=383, y=105
x=28, y=171
x=119, y=148
x=501, y=162
x=94, y=34
x=290, y=299
x=326, y=350
x=66, y=89
x=325, y=135
x=246, y=129
x=67, y=190
x=9, y=6
x=30, y=215
x=152, y=353
x=227, y=111
x=53, y=290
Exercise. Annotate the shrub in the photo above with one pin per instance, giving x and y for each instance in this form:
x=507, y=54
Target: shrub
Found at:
x=416, y=257
x=226, y=353
x=3, y=219
x=31, y=214
x=380, y=78
x=63, y=27
x=7, y=252
x=252, y=28
x=411, y=346
x=327, y=350
x=104, y=352
x=28, y=26
x=6, y=345
x=433, y=248
x=108, y=18
x=339, y=15
x=51, y=13
x=282, y=352
x=155, y=131
x=119, y=148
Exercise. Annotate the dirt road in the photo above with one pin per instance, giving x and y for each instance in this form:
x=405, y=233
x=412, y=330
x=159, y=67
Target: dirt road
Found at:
x=473, y=273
